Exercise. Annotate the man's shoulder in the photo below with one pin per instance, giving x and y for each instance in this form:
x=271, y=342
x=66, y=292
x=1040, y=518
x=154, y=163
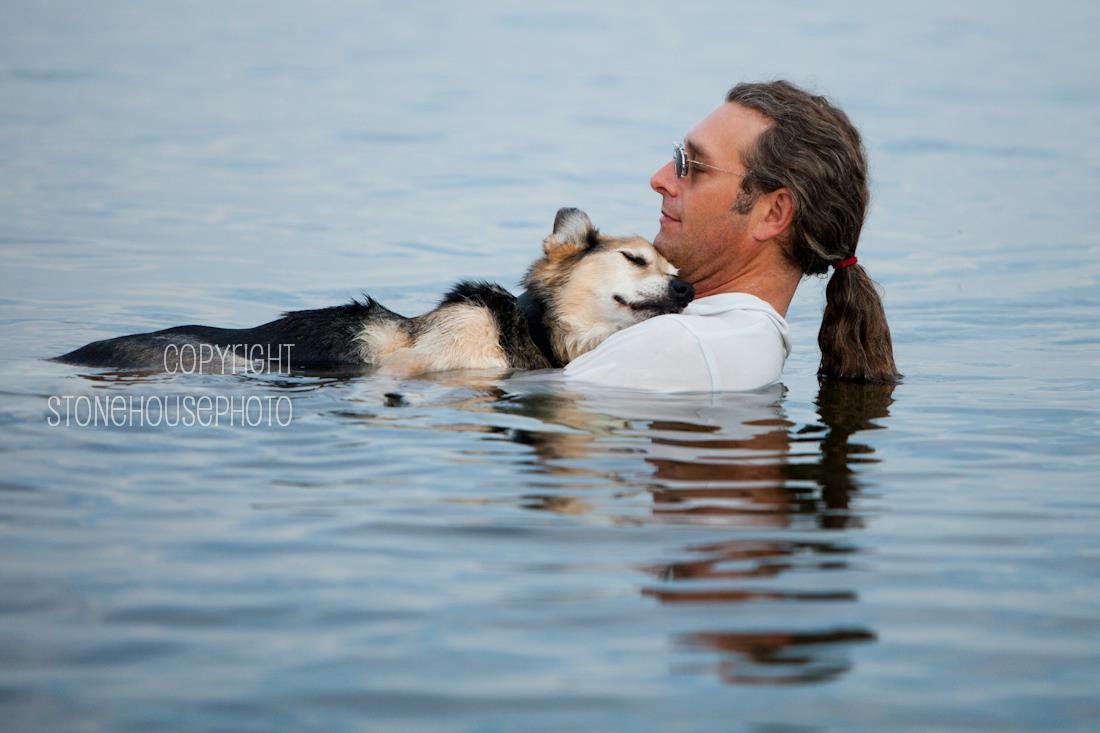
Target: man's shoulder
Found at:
x=713, y=316
x=666, y=328
x=641, y=340
x=701, y=321
x=730, y=341
x=661, y=353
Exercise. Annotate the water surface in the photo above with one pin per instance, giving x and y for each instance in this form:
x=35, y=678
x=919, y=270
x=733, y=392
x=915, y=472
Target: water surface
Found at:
x=490, y=553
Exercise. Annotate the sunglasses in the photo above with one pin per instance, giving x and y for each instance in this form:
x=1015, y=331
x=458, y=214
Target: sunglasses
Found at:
x=684, y=163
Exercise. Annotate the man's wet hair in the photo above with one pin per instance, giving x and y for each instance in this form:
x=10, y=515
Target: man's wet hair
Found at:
x=815, y=152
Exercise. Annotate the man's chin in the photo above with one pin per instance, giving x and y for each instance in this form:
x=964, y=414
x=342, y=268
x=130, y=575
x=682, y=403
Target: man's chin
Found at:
x=665, y=244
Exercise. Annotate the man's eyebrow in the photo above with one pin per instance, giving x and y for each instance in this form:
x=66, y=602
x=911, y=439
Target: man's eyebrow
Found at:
x=696, y=152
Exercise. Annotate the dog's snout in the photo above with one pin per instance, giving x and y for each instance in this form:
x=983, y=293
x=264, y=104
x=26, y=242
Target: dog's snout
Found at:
x=682, y=291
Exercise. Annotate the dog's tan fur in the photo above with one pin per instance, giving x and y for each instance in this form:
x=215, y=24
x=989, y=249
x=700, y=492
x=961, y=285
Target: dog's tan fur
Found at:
x=592, y=286
x=382, y=340
x=453, y=337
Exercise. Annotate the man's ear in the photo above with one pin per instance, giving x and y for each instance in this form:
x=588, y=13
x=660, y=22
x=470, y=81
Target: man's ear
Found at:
x=572, y=227
x=775, y=210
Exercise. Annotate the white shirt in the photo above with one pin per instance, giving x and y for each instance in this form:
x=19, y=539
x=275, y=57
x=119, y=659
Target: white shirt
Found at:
x=725, y=342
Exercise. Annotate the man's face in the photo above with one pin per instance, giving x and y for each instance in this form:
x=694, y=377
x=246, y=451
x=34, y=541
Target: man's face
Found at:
x=700, y=232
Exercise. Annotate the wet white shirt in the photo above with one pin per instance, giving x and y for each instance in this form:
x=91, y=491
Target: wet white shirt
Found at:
x=724, y=342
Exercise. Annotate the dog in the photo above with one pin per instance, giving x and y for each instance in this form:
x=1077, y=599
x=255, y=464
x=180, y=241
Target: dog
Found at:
x=585, y=287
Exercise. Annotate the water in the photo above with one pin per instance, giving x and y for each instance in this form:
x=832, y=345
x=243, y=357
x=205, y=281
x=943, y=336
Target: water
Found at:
x=500, y=554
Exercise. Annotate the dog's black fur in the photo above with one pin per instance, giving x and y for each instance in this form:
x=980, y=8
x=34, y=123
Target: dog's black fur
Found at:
x=323, y=338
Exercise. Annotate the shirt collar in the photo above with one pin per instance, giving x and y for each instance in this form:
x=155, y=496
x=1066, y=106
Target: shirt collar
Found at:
x=713, y=305
x=722, y=302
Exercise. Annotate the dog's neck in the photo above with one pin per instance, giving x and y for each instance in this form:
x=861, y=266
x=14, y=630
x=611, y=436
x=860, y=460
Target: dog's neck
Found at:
x=578, y=336
x=561, y=340
x=534, y=310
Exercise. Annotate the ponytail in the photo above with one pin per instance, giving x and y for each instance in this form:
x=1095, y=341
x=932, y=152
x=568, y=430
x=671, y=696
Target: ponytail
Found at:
x=854, y=338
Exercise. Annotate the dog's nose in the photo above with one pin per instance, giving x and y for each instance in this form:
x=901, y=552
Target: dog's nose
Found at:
x=681, y=290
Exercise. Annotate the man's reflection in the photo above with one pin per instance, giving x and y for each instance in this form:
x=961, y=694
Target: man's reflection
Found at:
x=735, y=461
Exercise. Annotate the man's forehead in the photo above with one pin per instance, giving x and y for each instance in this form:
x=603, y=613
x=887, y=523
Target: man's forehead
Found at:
x=725, y=133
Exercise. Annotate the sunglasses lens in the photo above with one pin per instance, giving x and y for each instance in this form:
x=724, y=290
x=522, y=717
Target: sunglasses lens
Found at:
x=679, y=157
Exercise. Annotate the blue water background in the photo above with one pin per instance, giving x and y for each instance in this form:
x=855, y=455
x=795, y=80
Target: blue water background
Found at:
x=493, y=554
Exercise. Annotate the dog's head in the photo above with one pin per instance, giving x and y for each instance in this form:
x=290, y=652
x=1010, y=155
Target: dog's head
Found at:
x=593, y=285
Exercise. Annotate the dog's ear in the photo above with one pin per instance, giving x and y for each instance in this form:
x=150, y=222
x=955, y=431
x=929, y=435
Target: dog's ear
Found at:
x=571, y=227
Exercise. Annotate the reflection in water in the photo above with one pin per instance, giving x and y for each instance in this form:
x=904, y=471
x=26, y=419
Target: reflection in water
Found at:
x=732, y=461
x=777, y=501
x=779, y=658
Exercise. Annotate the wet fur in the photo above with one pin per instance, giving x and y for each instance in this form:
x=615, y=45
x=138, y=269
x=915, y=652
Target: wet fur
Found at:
x=477, y=325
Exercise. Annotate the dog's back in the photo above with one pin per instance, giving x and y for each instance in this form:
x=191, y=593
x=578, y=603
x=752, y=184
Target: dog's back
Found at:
x=585, y=287
x=477, y=325
x=324, y=337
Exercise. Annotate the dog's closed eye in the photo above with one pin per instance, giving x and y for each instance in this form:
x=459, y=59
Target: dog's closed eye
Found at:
x=635, y=259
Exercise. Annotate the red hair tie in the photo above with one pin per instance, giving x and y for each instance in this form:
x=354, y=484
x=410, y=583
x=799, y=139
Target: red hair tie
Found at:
x=845, y=263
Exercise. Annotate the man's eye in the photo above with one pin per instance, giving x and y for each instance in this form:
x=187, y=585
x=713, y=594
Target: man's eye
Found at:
x=639, y=261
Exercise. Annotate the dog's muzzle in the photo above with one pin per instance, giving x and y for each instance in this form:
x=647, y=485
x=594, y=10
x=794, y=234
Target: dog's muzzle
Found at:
x=681, y=291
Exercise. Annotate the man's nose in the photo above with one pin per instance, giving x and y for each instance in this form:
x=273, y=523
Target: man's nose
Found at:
x=664, y=180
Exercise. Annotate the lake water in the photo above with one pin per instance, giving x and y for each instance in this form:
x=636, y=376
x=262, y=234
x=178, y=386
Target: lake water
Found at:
x=490, y=554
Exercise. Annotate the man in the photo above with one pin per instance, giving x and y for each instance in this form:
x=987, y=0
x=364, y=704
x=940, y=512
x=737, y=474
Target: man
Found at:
x=771, y=186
